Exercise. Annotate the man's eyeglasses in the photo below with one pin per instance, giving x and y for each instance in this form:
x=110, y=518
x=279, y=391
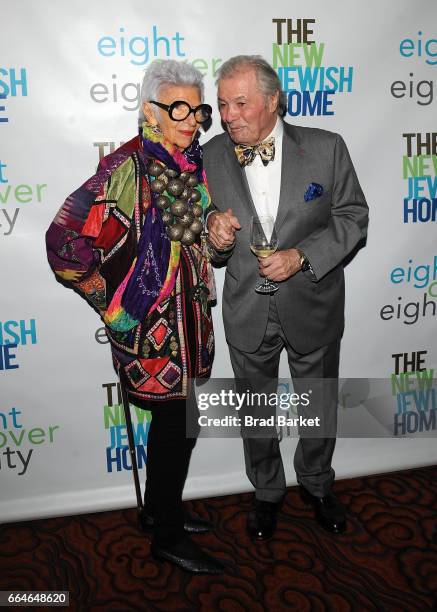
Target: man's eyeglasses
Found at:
x=180, y=110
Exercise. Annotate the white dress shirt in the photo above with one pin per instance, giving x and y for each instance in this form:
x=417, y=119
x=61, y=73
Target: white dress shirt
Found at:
x=265, y=181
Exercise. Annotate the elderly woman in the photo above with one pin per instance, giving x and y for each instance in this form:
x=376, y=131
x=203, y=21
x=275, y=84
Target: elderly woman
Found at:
x=131, y=241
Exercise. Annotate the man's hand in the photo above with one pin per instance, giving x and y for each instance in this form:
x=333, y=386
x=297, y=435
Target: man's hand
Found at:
x=221, y=228
x=281, y=265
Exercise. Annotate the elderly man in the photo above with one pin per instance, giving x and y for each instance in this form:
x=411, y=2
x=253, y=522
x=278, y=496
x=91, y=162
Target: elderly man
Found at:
x=303, y=178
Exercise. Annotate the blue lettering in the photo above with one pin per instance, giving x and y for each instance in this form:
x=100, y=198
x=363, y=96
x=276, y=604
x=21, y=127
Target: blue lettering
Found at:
x=420, y=275
x=121, y=458
x=3, y=108
x=406, y=45
x=157, y=39
x=411, y=422
x=141, y=457
x=112, y=437
x=102, y=45
x=22, y=82
x=418, y=184
x=8, y=329
x=120, y=435
x=6, y=357
x=13, y=414
x=13, y=82
x=178, y=38
x=31, y=331
x=142, y=52
x=300, y=103
x=111, y=459
x=346, y=79
x=4, y=91
x=308, y=78
x=141, y=433
x=2, y=179
x=331, y=79
x=428, y=43
x=140, y=48
x=422, y=399
x=422, y=210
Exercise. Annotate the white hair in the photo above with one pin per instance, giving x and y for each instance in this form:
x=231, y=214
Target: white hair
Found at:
x=268, y=81
x=167, y=72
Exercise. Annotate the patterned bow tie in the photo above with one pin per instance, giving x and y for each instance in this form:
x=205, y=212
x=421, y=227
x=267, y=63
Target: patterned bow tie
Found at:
x=246, y=153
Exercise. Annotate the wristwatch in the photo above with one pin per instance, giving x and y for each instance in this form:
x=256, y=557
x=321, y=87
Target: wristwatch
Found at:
x=304, y=262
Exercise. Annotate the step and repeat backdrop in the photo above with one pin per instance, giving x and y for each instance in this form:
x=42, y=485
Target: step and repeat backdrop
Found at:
x=70, y=75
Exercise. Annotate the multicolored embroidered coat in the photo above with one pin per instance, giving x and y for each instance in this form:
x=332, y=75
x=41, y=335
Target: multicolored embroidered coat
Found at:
x=109, y=243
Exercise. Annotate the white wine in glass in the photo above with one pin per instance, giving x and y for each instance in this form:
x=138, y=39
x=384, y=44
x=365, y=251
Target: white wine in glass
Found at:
x=264, y=242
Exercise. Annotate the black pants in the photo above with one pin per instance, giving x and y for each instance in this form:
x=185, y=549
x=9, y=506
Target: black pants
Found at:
x=168, y=457
x=169, y=452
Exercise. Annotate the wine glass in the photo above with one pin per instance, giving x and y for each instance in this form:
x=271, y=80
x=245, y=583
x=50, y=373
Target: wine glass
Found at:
x=264, y=242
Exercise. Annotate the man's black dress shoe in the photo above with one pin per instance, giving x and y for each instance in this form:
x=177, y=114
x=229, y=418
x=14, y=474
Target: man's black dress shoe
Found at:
x=329, y=511
x=261, y=520
x=192, y=524
x=187, y=555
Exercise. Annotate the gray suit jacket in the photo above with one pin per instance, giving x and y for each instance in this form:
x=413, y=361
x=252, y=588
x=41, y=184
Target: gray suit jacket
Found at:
x=326, y=229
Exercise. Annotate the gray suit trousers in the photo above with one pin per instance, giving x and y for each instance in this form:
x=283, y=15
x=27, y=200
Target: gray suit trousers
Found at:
x=258, y=372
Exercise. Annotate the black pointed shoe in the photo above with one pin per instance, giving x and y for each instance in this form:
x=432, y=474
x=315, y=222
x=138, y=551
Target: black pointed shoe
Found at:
x=329, y=512
x=192, y=524
x=261, y=520
x=188, y=556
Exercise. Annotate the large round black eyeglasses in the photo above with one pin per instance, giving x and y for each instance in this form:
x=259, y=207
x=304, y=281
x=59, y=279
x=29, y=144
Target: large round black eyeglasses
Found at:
x=180, y=110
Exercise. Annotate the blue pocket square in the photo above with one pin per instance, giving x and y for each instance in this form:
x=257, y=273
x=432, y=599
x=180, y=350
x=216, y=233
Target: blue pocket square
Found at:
x=313, y=191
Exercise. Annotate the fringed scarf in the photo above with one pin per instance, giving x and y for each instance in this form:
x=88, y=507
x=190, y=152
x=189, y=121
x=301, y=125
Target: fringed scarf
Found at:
x=153, y=272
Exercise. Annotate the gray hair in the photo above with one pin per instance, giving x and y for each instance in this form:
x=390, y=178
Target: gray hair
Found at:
x=268, y=80
x=167, y=72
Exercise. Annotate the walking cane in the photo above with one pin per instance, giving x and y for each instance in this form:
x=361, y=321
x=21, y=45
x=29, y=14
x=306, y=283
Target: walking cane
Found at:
x=132, y=448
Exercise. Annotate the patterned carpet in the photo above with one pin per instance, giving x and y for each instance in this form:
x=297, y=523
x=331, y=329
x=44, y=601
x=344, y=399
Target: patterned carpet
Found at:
x=386, y=561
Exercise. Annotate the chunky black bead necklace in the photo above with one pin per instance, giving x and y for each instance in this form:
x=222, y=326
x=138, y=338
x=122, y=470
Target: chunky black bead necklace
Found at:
x=178, y=200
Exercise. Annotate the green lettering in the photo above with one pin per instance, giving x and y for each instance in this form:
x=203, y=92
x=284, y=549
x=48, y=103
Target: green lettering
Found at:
x=409, y=166
x=313, y=54
x=215, y=61
x=397, y=384
x=279, y=55
x=292, y=54
x=20, y=437
x=111, y=415
x=23, y=194
x=39, y=189
x=424, y=379
x=51, y=430
x=4, y=196
x=201, y=65
x=36, y=433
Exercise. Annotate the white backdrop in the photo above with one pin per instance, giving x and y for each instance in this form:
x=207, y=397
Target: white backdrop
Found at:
x=68, y=75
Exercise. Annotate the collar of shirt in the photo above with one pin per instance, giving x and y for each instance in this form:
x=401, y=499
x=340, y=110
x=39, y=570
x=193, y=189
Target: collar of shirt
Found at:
x=265, y=181
x=277, y=132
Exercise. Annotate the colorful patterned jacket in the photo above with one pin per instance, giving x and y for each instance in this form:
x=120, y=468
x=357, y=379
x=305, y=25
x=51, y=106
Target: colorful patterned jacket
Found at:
x=92, y=244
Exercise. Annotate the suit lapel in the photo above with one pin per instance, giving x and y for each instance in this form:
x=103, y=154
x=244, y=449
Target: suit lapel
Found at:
x=238, y=177
x=293, y=157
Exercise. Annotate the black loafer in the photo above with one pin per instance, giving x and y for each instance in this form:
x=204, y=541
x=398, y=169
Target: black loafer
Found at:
x=192, y=524
x=328, y=510
x=187, y=555
x=261, y=520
